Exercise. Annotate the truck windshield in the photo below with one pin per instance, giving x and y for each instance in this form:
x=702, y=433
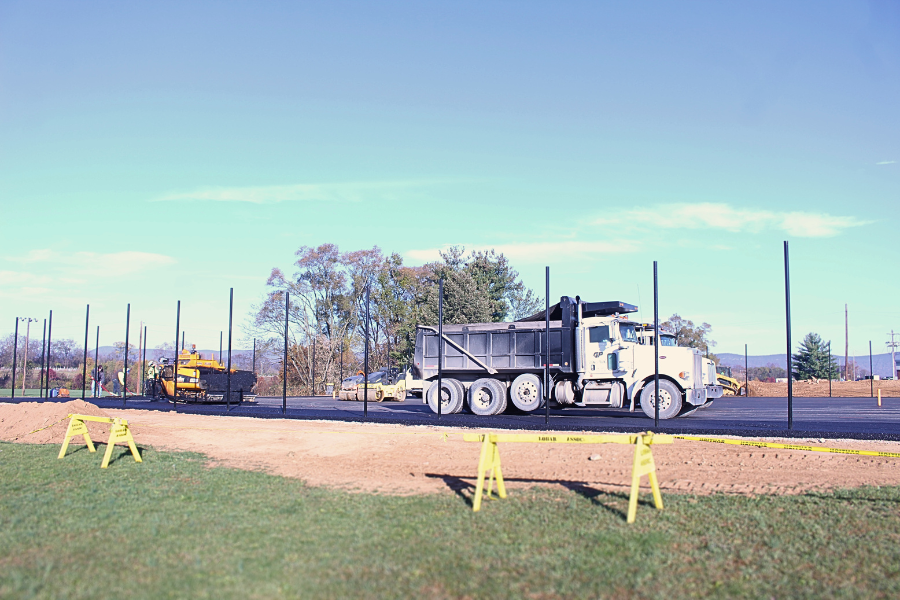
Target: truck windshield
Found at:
x=599, y=335
x=626, y=330
x=667, y=340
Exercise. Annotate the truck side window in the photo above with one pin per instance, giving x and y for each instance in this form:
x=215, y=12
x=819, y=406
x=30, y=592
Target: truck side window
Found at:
x=599, y=335
x=627, y=331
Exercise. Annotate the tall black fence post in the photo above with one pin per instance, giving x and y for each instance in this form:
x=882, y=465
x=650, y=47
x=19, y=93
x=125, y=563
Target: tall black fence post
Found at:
x=220, y=347
x=15, y=350
x=230, y=316
x=87, y=320
x=746, y=373
x=287, y=311
x=830, y=359
x=125, y=366
x=144, y=362
x=366, y=360
x=175, y=363
x=547, y=351
x=656, y=332
x=440, y=392
x=254, y=356
x=43, y=354
x=49, y=353
x=97, y=388
x=871, y=373
x=787, y=308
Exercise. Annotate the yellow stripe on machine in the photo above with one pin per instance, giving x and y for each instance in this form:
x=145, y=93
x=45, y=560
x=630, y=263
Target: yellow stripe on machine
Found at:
x=788, y=446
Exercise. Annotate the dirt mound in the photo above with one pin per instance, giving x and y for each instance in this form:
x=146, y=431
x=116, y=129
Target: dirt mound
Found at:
x=819, y=389
x=18, y=422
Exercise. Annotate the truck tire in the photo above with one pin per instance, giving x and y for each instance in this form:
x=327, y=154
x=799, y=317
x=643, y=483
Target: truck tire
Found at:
x=526, y=392
x=670, y=399
x=451, y=396
x=485, y=398
x=503, y=394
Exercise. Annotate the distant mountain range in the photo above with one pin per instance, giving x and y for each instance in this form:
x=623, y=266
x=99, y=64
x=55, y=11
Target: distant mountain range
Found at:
x=881, y=363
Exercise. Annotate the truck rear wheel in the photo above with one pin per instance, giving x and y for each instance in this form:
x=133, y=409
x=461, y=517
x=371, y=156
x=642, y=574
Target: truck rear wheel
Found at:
x=487, y=397
x=526, y=392
x=669, y=399
x=452, y=393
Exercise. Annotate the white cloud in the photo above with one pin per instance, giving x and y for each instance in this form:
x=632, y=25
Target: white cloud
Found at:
x=315, y=192
x=886, y=162
x=532, y=252
x=91, y=263
x=709, y=215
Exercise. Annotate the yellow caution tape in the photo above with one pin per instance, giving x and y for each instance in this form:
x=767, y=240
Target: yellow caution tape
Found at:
x=788, y=446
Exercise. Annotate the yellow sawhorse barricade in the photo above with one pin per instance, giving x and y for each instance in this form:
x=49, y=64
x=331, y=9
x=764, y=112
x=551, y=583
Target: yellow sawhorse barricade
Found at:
x=118, y=432
x=489, y=461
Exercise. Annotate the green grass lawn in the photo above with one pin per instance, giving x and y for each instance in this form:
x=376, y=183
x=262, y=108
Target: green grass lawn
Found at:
x=172, y=528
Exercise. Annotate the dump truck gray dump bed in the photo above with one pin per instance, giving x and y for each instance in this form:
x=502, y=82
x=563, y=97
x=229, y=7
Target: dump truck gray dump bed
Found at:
x=477, y=349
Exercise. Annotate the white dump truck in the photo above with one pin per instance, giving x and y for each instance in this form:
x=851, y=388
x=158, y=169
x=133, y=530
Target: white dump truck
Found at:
x=596, y=359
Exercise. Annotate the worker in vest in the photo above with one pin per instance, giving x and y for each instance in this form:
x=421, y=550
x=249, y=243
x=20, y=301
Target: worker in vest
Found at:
x=152, y=375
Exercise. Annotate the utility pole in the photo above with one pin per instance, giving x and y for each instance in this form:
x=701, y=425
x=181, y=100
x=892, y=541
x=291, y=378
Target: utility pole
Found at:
x=846, y=346
x=892, y=345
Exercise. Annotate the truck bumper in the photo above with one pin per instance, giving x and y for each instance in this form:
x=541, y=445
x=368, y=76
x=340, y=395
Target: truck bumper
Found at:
x=695, y=397
x=714, y=391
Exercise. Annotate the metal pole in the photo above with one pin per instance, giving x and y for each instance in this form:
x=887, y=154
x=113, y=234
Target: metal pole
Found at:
x=43, y=352
x=254, y=355
x=220, y=347
x=49, y=354
x=125, y=366
x=655, y=348
x=97, y=387
x=312, y=367
x=87, y=320
x=25, y=359
x=440, y=391
x=787, y=305
x=144, y=362
x=230, y=317
x=829, y=368
x=547, y=341
x=366, y=360
x=871, y=372
x=182, y=342
x=15, y=350
x=746, y=373
x=175, y=364
x=287, y=310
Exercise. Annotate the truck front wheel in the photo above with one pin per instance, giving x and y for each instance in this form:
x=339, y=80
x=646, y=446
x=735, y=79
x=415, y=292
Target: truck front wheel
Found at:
x=526, y=392
x=669, y=399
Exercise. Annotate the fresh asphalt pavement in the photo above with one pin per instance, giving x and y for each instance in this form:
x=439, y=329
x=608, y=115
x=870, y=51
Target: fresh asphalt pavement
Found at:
x=857, y=418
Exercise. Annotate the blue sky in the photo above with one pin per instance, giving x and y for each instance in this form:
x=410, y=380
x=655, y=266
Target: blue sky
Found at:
x=156, y=151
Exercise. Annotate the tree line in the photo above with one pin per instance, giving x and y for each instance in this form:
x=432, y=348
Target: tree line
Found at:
x=328, y=290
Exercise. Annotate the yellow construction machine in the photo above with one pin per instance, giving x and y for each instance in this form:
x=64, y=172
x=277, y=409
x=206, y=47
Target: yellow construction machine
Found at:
x=729, y=384
x=382, y=385
x=203, y=380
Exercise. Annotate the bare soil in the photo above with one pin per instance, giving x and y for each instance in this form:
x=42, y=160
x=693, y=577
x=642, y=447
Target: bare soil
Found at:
x=839, y=389
x=393, y=459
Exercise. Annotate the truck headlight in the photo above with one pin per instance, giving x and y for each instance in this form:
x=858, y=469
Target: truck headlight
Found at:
x=685, y=375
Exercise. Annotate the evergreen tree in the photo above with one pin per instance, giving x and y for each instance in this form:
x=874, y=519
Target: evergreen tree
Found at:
x=812, y=360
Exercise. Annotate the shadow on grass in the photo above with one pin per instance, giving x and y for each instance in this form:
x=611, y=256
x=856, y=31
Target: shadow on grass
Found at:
x=464, y=487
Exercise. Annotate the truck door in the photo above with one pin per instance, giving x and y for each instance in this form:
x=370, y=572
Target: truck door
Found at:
x=600, y=359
